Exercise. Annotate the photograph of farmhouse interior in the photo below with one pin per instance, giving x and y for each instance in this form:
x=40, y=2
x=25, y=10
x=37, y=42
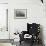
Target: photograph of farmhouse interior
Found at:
x=22, y=22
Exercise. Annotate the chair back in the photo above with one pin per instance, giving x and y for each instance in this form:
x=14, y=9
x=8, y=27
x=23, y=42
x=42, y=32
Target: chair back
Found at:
x=33, y=28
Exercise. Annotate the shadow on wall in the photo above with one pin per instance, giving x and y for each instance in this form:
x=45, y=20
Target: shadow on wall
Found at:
x=41, y=34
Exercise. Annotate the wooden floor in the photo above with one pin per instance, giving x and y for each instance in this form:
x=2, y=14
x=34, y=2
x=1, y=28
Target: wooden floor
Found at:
x=6, y=44
x=6, y=40
x=27, y=44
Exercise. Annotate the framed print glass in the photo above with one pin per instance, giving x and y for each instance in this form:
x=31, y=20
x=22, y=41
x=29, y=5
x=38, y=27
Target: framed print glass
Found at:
x=20, y=13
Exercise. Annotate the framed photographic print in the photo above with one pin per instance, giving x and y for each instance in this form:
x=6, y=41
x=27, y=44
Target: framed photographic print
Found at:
x=20, y=13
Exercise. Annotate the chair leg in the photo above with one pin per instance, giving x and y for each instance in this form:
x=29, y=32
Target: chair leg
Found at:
x=20, y=42
x=32, y=42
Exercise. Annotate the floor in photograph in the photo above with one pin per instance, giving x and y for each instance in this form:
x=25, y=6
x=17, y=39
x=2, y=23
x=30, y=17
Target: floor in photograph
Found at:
x=5, y=44
x=27, y=44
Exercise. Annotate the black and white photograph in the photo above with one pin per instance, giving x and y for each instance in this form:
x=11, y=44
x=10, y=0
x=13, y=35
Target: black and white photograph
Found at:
x=20, y=13
x=22, y=22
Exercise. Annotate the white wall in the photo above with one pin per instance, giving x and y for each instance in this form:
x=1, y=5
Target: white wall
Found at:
x=3, y=1
x=35, y=13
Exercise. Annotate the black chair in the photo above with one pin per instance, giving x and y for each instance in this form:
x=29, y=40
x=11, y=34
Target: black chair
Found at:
x=32, y=29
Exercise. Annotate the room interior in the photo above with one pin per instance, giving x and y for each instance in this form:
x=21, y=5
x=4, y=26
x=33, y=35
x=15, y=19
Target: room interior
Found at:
x=12, y=23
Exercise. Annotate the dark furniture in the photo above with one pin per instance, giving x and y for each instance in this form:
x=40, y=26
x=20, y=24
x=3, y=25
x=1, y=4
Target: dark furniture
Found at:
x=33, y=30
x=42, y=1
